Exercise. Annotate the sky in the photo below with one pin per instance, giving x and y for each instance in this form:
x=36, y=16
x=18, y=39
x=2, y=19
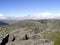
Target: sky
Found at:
x=18, y=8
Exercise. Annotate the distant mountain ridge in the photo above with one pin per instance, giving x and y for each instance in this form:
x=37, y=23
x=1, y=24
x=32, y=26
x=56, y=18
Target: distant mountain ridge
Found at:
x=8, y=21
x=3, y=23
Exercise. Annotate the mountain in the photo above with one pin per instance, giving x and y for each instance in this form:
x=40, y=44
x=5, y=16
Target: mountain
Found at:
x=31, y=30
x=3, y=23
x=9, y=21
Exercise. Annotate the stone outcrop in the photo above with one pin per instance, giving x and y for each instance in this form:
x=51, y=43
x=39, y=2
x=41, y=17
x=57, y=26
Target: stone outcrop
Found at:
x=31, y=42
x=21, y=37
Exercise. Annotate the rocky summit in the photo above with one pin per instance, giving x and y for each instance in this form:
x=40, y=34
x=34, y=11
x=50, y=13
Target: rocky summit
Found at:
x=22, y=37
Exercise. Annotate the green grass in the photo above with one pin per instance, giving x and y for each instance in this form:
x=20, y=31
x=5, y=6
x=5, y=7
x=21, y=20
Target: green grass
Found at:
x=55, y=37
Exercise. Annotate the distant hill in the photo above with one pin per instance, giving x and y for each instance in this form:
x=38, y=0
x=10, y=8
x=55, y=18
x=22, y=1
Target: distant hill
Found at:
x=54, y=23
x=3, y=23
x=9, y=21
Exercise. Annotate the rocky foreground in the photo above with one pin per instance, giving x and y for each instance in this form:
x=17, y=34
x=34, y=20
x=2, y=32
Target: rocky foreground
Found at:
x=21, y=37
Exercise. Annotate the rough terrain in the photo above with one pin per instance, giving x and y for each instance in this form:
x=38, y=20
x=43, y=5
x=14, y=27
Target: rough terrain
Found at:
x=31, y=32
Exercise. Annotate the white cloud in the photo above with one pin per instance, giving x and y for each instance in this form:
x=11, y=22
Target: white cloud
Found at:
x=43, y=15
x=47, y=15
x=2, y=16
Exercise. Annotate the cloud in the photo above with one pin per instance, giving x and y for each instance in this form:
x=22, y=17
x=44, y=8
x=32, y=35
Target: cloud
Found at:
x=47, y=15
x=2, y=16
x=43, y=15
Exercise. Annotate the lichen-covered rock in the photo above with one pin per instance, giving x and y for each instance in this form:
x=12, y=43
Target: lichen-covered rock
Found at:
x=31, y=42
x=21, y=37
